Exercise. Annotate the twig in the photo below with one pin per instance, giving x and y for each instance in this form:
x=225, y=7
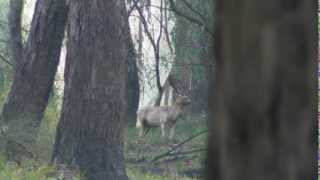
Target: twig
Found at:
x=130, y=11
x=188, y=152
x=158, y=54
x=181, y=154
x=166, y=28
x=174, y=8
x=178, y=145
x=6, y=61
x=155, y=44
x=145, y=24
x=193, y=64
x=202, y=17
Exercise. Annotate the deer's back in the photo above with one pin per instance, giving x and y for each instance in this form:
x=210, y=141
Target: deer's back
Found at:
x=157, y=115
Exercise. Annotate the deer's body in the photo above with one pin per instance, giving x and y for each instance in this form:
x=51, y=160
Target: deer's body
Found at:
x=161, y=116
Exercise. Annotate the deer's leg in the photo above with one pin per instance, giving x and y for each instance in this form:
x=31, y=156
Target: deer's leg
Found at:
x=172, y=130
x=141, y=132
x=162, y=129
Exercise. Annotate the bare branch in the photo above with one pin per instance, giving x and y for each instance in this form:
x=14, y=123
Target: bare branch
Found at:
x=185, y=152
x=154, y=44
x=145, y=24
x=174, y=9
x=177, y=146
x=193, y=64
x=6, y=61
x=188, y=5
x=130, y=10
x=158, y=56
x=166, y=28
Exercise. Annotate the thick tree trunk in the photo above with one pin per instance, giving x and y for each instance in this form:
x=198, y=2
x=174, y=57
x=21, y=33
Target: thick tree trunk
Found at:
x=264, y=109
x=34, y=75
x=133, y=91
x=89, y=134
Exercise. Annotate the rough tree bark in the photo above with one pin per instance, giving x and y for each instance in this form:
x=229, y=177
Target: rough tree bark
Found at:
x=89, y=134
x=264, y=108
x=35, y=69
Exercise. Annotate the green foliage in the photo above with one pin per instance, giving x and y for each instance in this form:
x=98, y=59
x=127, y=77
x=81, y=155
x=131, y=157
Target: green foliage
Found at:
x=184, y=129
x=6, y=70
x=191, y=40
x=31, y=169
x=5, y=88
x=154, y=145
x=135, y=174
x=28, y=171
x=138, y=175
x=47, y=130
x=3, y=18
x=3, y=26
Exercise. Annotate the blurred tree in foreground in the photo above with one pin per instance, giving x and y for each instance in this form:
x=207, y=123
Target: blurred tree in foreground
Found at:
x=264, y=106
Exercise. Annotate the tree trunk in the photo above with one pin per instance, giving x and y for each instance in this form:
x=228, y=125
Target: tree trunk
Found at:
x=133, y=91
x=264, y=108
x=89, y=134
x=34, y=75
x=15, y=30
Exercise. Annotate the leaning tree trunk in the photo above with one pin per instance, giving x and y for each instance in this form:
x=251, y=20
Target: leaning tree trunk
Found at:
x=34, y=74
x=89, y=134
x=264, y=109
x=15, y=29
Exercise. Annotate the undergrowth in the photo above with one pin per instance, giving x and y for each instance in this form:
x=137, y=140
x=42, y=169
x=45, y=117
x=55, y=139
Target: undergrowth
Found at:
x=152, y=145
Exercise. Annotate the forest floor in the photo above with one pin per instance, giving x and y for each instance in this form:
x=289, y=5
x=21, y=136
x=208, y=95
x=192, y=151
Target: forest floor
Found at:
x=155, y=157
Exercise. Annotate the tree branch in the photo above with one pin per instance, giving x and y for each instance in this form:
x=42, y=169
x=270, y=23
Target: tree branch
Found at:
x=188, y=5
x=193, y=64
x=158, y=57
x=189, y=152
x=154, y=44
x=6, y=61
x=166, y=28
x=174, y=9
x=145, y=24
x=178, y=145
